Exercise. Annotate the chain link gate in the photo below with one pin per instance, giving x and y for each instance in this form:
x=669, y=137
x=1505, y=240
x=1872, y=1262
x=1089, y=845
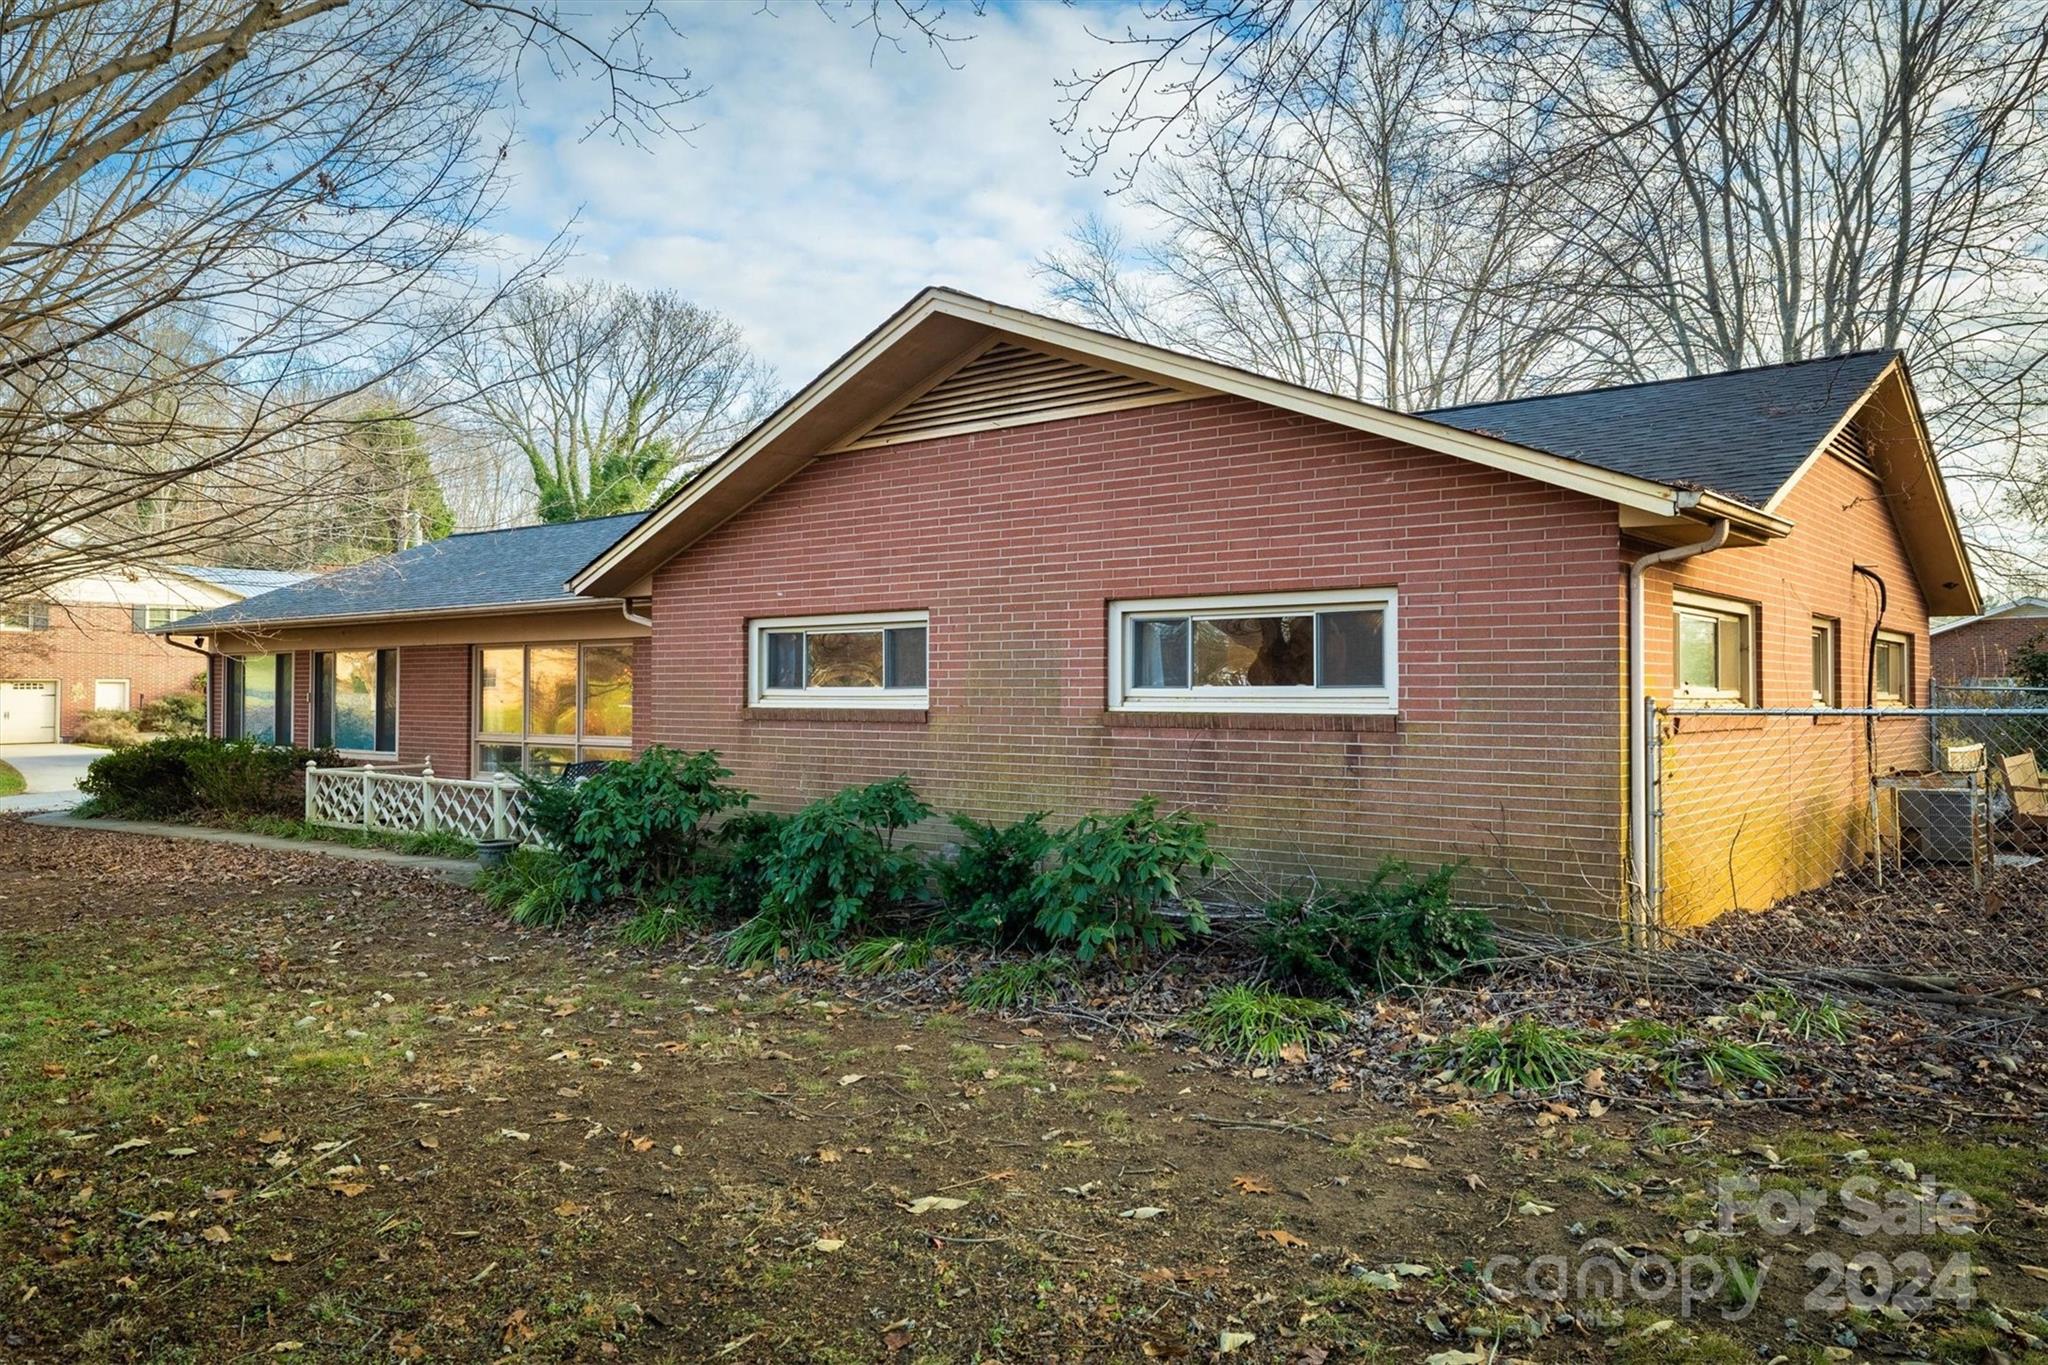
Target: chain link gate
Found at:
x=1893, y=807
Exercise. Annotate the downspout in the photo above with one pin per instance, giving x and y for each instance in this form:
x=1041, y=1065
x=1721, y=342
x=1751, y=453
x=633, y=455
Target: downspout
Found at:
x=207, y=691
x=1638, y=729
x=626, y=610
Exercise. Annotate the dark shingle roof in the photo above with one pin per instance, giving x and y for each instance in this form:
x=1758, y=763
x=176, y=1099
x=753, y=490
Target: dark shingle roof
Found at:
x=1742, y=433
x=526, y=564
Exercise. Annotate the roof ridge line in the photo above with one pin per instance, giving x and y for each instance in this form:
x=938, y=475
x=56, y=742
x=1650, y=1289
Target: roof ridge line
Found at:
x=1657, y=383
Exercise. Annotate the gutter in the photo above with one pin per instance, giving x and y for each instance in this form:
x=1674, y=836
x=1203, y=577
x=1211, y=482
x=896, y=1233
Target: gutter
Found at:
x=1639, y=729
x=252, y=625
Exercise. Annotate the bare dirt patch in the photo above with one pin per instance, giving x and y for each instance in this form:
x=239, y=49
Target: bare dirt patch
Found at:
x=285, y=1106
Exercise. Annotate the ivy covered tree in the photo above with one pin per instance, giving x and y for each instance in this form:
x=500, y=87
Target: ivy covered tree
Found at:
x=608, y=392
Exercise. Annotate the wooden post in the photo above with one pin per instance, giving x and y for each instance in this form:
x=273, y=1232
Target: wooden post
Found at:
x=311, y=769
x=368, y=799
x=498, y=810
x=427, y=796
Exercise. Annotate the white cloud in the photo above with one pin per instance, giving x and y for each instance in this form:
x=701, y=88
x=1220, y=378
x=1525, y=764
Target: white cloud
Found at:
x=822, y=190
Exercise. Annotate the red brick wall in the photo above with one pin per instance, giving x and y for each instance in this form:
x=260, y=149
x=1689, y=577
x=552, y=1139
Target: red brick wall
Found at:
x=87, y=643
x=434, y=707
x=1508, y=748
x=1756, y=808
x=1984, y=649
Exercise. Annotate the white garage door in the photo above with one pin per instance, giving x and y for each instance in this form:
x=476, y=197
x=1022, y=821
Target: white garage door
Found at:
x=28, y=713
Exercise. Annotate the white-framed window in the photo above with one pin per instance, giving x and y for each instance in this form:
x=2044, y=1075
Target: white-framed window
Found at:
x=355, y=700
x=110, y=694
x=1715, y=641
x=24, y=615
x=878, y=660
x=540, y=708
x=1310, y=652
x=1891, y=682
x=149, y=618
x=1825, y=685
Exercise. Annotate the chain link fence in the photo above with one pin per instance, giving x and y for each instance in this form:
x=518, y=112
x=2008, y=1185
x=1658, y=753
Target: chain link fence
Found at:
x=1883, y=810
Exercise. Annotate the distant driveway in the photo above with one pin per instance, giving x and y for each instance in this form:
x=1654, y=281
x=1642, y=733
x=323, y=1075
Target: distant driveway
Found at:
x=51, y=771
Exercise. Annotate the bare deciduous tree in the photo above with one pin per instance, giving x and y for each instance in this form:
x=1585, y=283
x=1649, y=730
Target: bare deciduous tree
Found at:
x=226, y=224
x=219, y=220
x=608, y=392
x=1696, y=188
x=1366, y=225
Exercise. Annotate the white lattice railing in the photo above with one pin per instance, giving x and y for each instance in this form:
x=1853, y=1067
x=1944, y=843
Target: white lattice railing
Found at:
x=416, y=803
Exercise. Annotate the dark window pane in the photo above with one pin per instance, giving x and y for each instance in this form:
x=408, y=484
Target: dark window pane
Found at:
x=323, y=701
x=1159, y=652
x=285, y=702
x=1256, y=651
x=849, y=658
x=906, y=656
x=785, y=660
x=387, y=701
x=499, y=758
x=1354, y=649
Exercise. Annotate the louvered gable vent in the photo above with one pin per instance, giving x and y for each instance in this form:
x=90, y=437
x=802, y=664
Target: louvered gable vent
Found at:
x=1850, y=444
x=1009, y=385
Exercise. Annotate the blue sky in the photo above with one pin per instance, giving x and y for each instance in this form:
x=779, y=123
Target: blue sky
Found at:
x=822, y=189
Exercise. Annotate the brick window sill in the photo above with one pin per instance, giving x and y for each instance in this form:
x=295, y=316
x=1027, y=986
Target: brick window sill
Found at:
x=1248, y=720
x=855, y=715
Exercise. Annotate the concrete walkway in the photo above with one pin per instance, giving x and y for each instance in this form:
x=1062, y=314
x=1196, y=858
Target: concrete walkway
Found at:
x=51, y=771
x=461, y=871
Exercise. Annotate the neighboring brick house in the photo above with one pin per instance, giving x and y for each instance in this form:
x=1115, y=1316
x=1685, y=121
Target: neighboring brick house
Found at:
x=1036, y=567
x=1981, y=648
x=86, y=645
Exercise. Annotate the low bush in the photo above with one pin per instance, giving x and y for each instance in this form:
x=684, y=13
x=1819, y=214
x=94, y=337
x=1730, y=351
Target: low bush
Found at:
x=1396, y=930
x=532, y=886
x=835, y=872
x=108, y=729
x=775, y=933
x=1261, y=1026
x=1114, y=878
x=146, y=782
x=746, y=842
x=1006, y=985
x=1526, y=1054
x=243, y=777
x=1807, y=1020
x=891, y=953
x=177, y=714
x=985, y=886
x=640, y=830
x=1674, y=1052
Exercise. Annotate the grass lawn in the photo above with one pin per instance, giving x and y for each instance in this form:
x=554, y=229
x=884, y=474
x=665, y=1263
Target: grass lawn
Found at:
x=271, y=1106
x=11, y=781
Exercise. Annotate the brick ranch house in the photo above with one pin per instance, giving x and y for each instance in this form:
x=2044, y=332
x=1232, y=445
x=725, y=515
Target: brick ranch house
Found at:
x=1037, y=567
x=1981, y=648
x=86, y=645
